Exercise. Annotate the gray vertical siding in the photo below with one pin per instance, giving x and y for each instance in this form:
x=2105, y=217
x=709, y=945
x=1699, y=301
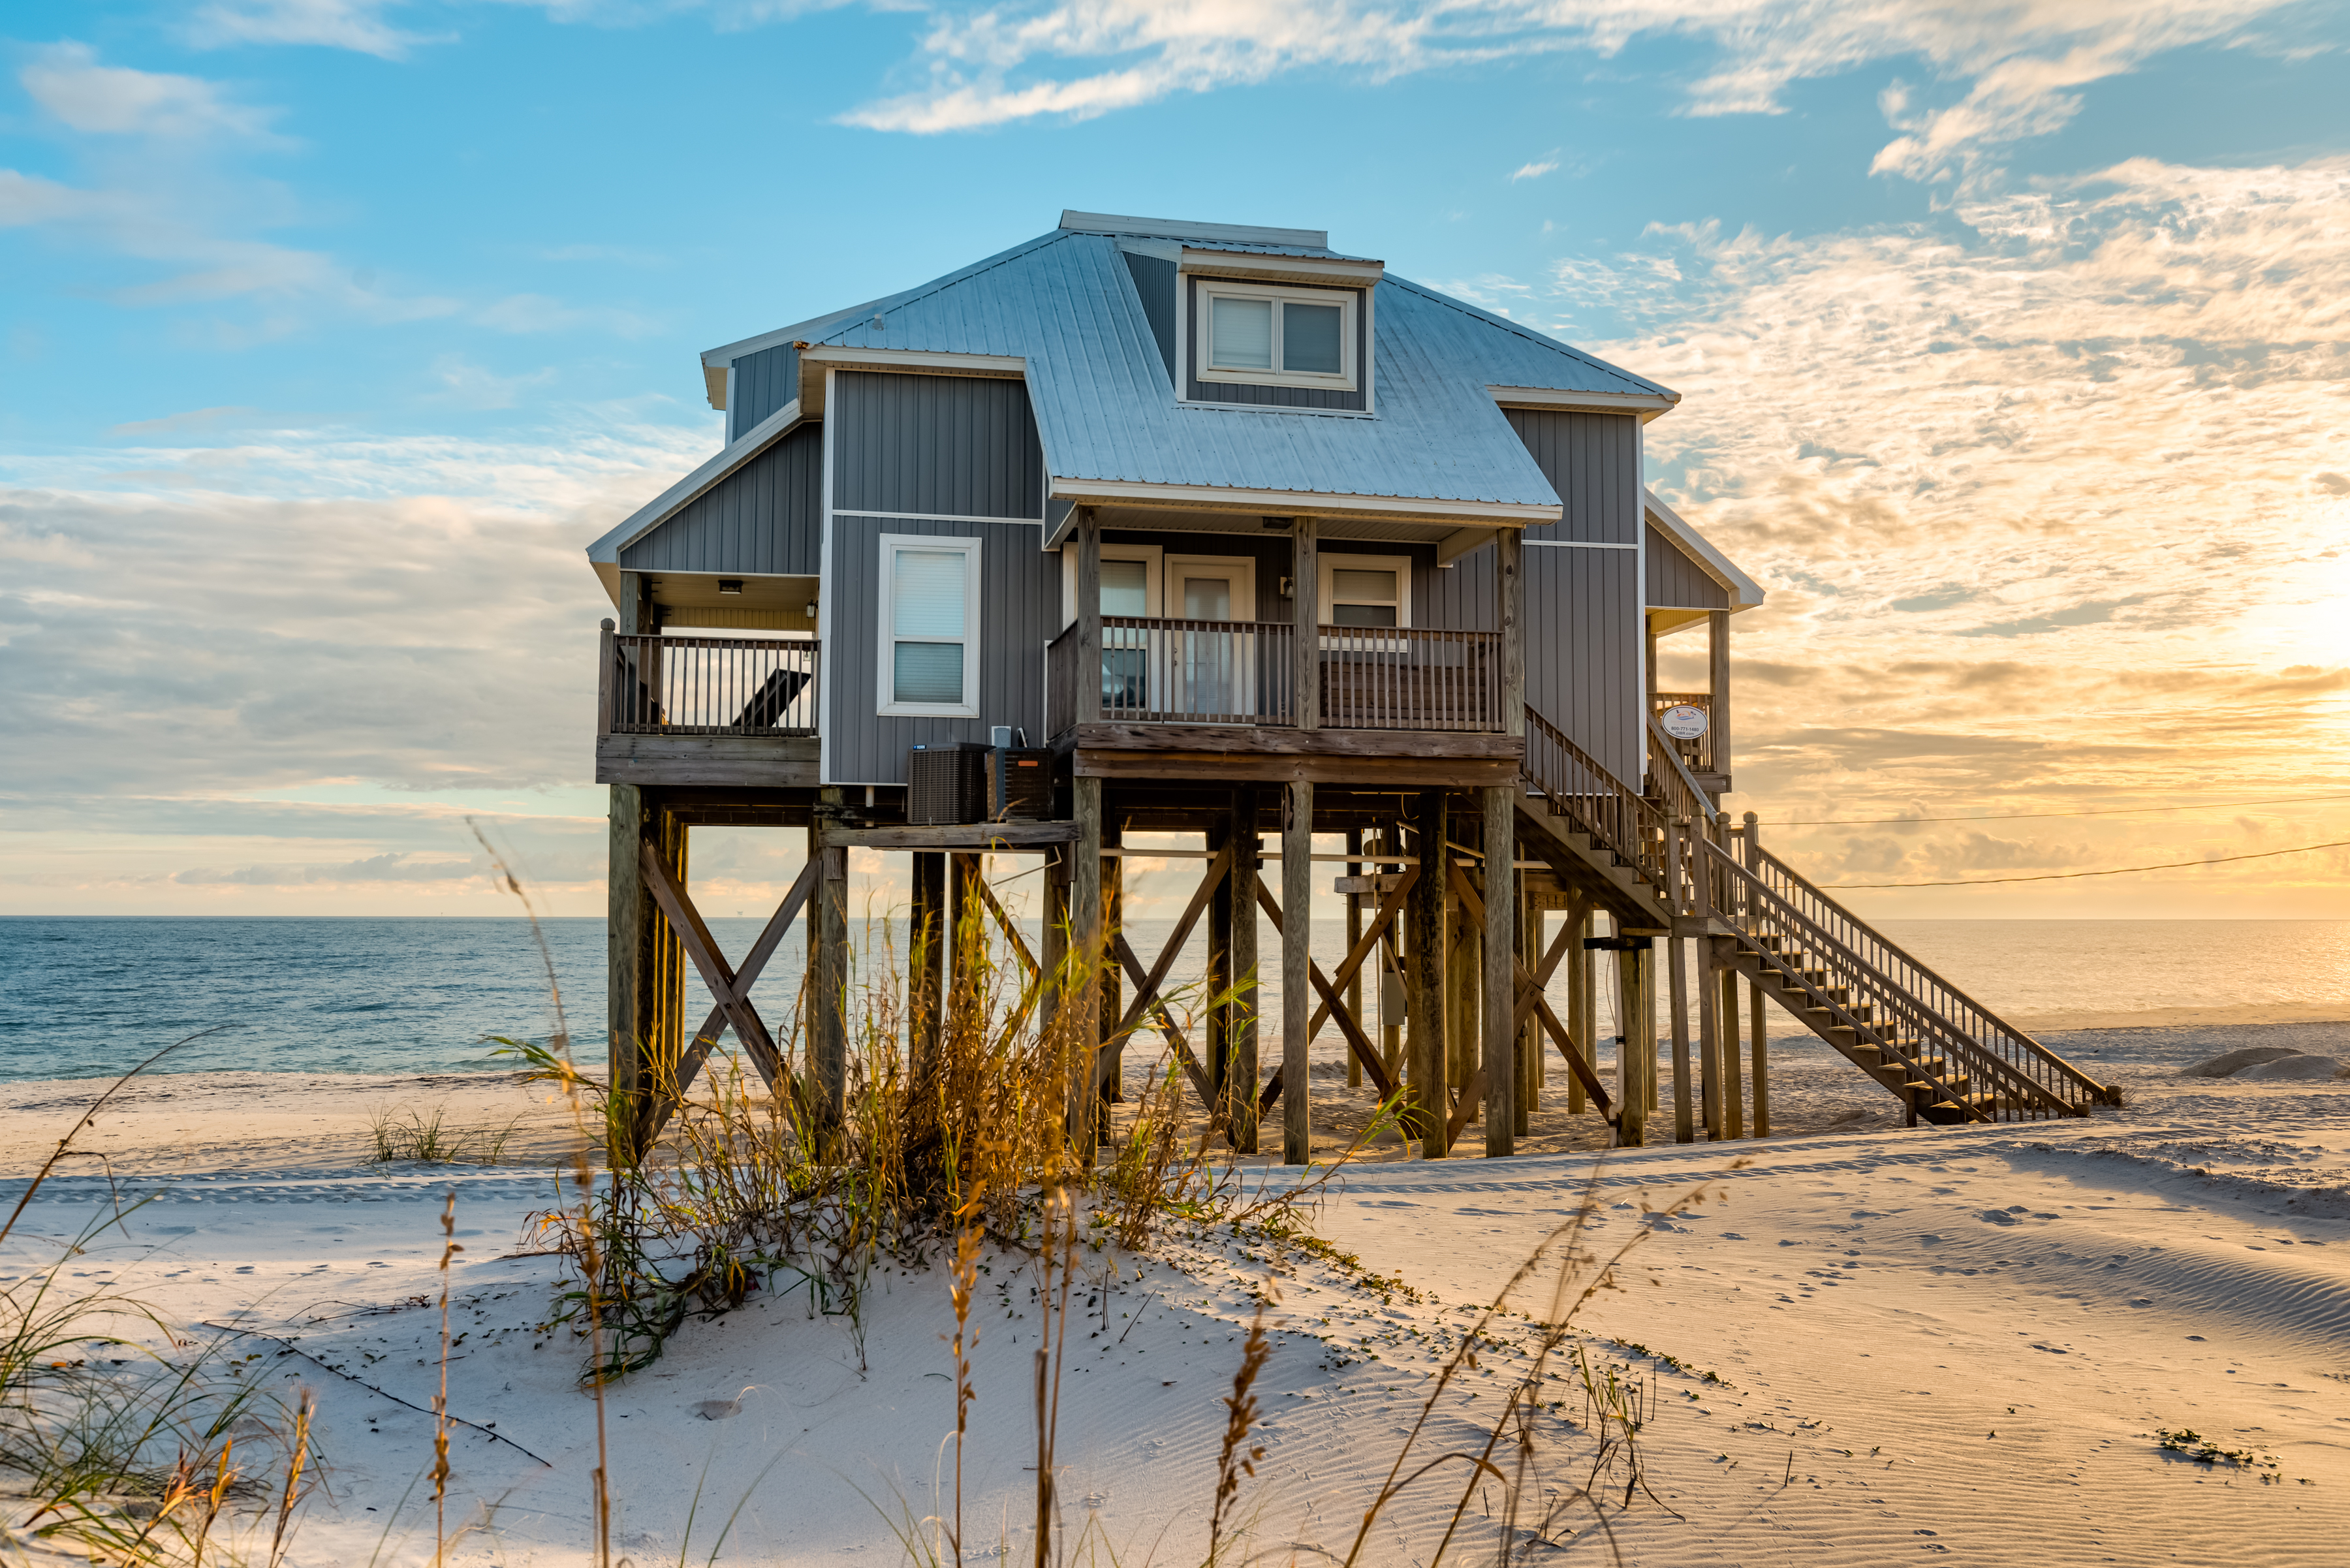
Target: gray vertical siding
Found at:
x=765, y=518
x=1593, y=460
x=1583, y=649
x=955, y=446
x=763, y=382
x=1201, y=391
x=1154, y=281
x=1019, y=612
x=1676, y=580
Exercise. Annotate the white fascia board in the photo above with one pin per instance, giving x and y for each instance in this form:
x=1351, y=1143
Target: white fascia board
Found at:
x=653, y=513
x=1483, y=514
x=1744, y=592
x=1176, y=229
x=713, y=382
x=1302, y=269
x=815, y=360
x=726, y=354
x=1647, y=405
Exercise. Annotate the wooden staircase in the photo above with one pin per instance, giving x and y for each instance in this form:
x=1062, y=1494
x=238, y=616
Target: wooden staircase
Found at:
x=1667, y=861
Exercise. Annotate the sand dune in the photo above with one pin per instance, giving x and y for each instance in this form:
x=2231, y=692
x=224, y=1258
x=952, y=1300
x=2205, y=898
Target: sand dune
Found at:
x=1930, y=1342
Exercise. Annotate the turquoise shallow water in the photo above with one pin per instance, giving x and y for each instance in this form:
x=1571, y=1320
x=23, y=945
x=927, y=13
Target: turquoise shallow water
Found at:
x=89, y=997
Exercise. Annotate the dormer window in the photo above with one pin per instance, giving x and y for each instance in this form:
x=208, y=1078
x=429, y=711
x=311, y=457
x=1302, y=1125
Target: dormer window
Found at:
x=1265, y=334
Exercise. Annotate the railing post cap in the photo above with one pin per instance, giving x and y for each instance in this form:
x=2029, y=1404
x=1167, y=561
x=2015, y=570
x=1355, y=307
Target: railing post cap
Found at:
x=608, y=624
x=1751, y=819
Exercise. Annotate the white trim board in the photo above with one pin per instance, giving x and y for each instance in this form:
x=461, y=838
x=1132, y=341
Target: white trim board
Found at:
x=936, y=517
x=1577, y=545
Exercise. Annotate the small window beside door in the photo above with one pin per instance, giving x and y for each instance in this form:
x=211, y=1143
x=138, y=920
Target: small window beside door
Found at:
x=929, y=627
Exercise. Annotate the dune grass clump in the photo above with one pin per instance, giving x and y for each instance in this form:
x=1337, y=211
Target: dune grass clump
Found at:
x=425, y=1137
x=115, y=1451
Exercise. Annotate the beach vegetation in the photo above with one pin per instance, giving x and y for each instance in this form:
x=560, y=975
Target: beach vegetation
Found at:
x=425, y=1137
x=123, y=1442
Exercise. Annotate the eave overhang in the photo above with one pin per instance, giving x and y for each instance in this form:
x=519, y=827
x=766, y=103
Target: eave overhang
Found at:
x=1647, y=405
x=604, y=555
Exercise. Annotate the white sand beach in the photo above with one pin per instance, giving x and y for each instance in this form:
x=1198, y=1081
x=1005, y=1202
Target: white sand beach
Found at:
x=1931, y=1341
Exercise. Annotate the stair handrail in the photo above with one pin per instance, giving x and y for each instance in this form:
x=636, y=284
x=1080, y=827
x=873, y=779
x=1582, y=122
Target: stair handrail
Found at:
x=1926, y=979
x=1627, y=822
x=1882, y=989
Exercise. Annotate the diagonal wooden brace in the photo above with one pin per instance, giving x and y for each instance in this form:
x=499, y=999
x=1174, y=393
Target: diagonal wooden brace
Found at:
x=1003, y=923
x=1365, y=1052
x=731, y=990
x=1531, y=1000
x=1174, y=1036
x=1146, y=986
x=1388, y=909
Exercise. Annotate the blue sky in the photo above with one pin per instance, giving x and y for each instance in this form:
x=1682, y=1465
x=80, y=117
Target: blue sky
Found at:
x=2010, y=336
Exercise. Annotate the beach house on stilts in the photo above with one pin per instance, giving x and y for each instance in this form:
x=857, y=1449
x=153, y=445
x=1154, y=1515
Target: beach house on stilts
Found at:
x=1156, y=526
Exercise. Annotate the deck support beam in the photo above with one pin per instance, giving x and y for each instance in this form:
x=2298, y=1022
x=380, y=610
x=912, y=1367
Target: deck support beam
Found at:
x=1500, y=948
x=1241, y=1062
x=929, y=938
x=1296, y=962
x=1636, y=1051
x=827, y=1014
x=1432, y=1077
x=1087, y=943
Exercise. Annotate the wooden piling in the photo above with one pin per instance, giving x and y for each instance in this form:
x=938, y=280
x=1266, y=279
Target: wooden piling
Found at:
x=929, y=939
x=1240, y=1079
x=1758, y=1052
x=1636, y=1050
x=1297, y=996
x=1499, y=945
x=1113, y=987
x=1432, y=1098
x=1087, y=968
x=1709, y=1035
x=829, y=966
x=1218, y=976
x=1354, y=936
x=1733, y=1114
x=1684, y=1121
x=1582, y=1017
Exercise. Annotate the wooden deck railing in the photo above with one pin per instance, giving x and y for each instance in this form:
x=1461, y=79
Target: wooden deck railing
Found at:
x=707, y=686
x=1410, y=678
x=1163, y=669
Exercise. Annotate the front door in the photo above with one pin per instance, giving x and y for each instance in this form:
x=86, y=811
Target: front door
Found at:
x=1214, y=662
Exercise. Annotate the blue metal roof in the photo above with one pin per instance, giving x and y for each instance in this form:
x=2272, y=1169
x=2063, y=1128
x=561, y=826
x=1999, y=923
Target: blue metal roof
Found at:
x=1106, y=409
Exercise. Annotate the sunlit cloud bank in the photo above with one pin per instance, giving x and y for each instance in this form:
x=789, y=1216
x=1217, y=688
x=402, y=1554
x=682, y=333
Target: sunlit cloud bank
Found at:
x=2052, y=499
x=300, y=662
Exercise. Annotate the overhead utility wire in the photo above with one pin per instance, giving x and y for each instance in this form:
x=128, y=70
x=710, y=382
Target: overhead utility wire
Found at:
x=2065, y=875
x=2030, y=815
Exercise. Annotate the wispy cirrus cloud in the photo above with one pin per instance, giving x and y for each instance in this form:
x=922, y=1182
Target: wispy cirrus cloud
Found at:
x=68, y=82
x=355, y=25
x=1999, y=70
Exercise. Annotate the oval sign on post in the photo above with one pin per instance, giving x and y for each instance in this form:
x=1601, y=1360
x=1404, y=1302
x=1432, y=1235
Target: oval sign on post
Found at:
x=1682, y=722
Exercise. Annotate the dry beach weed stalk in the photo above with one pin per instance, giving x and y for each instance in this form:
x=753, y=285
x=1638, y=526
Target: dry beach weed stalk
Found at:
x=115, y=1451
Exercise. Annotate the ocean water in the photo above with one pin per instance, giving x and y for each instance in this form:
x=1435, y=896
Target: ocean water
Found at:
x=91, y=997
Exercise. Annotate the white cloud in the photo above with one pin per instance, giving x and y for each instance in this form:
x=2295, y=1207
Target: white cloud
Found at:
x=2016, y=63
x=2031, y=488
x=1547, y=165
x=356, y=24
x=67, y=80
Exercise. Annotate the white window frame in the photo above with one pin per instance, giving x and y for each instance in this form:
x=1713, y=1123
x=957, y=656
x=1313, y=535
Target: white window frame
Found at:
x=1326, y=604
x=885, y=676
x=1202, y=329
x=1152, y=557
